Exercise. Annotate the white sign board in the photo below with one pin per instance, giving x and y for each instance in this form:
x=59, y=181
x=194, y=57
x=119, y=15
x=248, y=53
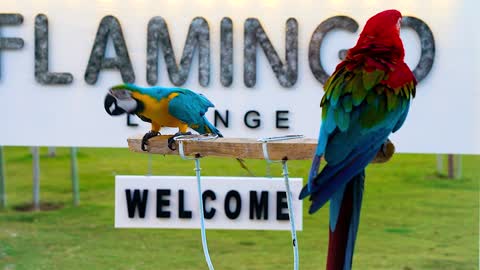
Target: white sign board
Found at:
x=242, y=203
x=444, y=117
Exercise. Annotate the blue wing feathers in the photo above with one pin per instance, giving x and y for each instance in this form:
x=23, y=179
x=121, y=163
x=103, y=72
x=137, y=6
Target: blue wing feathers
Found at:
x=190, y=108
x=400, y=122
x=329, y=187
x=331, y=169
x=322, y=143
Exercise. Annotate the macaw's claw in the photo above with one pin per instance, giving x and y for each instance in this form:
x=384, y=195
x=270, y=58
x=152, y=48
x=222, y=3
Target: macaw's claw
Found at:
x=171, y=141
x=387, y=149
x=146, y=137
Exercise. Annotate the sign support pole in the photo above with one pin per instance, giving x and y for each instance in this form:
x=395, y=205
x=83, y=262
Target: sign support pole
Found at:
x=74, y=172
x=3, y=195
x=458, y=166
x=439, y=164
x=36, y=177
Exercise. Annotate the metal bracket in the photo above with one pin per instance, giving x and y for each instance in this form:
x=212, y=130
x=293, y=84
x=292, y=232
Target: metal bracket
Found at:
x=266, y=140
x=185, y=138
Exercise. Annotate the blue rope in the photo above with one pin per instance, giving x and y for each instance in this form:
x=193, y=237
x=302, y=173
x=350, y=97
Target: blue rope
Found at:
x=291, y=217
x=202, y=218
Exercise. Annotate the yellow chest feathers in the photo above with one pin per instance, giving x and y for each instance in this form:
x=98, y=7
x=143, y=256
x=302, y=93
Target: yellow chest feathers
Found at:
x=157, y=110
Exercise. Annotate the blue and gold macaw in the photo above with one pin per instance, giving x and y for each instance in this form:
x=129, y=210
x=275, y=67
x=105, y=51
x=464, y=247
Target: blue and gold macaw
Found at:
x=366, y=99
x=162, y=107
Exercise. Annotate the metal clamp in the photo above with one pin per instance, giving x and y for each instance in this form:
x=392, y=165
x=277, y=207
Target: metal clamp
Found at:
x=266, y=140
x=192, y=138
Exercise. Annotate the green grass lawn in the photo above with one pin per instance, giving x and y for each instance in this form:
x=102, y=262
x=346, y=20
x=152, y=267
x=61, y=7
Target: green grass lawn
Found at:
x=411, y=219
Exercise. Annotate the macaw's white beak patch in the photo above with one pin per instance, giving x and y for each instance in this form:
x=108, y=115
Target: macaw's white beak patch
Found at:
x=128, y=105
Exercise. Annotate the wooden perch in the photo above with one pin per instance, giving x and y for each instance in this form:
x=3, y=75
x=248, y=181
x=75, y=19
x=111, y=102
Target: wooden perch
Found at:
x=295, y=149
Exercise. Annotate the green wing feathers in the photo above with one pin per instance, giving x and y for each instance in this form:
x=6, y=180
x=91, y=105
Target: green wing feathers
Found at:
x=347, y=89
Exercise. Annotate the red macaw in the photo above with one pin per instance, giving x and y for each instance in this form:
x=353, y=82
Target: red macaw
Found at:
x=366, y=99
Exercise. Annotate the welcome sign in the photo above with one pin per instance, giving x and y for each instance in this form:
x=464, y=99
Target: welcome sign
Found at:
x=248, y=203
x=262, y=63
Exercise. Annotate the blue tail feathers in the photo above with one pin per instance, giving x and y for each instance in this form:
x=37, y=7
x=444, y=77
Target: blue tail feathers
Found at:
x=209, y=128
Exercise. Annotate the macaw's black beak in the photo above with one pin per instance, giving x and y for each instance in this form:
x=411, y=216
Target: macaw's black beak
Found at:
x=111, y=106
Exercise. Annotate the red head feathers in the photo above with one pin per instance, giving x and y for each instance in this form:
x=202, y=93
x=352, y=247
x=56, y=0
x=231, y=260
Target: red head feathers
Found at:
x=382, y=31
x=379, y=47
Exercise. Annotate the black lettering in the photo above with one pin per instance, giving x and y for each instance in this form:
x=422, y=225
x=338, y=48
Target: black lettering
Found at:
x=281, y=205
x=258, y=207
x=279, y=119
x=314, y=56
x=208, y=194
x=427, y=43
x=159, y=38
x=233, y=194
x=42, y=75
x=9, y=43
x=109, y=28
x=252, y=122
x=182, y=213
x=254, y=33
x=136, y=201
x=129, y=121
x=217, y=116
x=163, y=202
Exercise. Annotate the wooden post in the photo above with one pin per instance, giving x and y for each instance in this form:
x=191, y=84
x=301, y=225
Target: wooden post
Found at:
x=3, y=193
x=450, y=166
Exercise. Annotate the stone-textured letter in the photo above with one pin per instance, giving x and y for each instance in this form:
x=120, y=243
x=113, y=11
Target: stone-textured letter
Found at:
x=286, y=73
x=42, y=75
x=159, y=38
x=427, y=43
x=337, y=22
x=10, y=43
x=109, y=28
x=226, y=52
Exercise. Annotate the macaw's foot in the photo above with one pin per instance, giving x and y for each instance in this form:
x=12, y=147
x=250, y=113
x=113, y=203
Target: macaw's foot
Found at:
x=387, y=149
x=146, y=137
x=171, y=141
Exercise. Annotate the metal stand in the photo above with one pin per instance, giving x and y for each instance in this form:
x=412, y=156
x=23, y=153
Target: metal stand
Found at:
x=180, y=140
x=265, y=142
